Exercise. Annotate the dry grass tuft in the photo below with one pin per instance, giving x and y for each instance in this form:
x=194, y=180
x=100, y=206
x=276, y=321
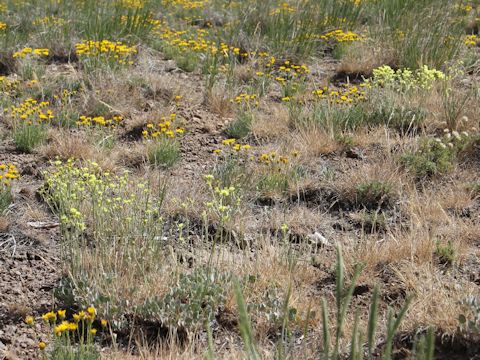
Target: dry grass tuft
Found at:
x=272, y=124
x=65, y=145
x=4, y=224
x=362, y=57
x=219, y=103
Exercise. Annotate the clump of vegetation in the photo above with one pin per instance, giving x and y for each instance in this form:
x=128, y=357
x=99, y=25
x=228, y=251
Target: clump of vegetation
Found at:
x=437, y=155
x=240, y=127
x=277, y=173
x=446, y=253
x=403, y=119
x=163, y=147
x=469, y=320
x=72, y=338
x=163, y=152
x=191, y=302
x=29, y=123
x=372, y=221
x=8, y=174
x=405, y=79
x=474, y=189
x=373, y=194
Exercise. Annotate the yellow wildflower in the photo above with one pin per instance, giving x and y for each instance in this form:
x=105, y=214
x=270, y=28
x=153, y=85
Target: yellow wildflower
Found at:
x=29, y=320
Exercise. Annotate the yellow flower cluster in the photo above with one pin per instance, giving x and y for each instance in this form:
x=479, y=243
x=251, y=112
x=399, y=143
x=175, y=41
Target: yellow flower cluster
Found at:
x=139, y=20
x=224, y=191
x=64, y=95
x=275, y=169
x=283, y=8
x=186, y=40
x=100, y=121
x=232, y=144
x=28, y=50
x=467, y=8
x=65, y=326
x=405, y=79
x=348, y=95
x=186, y=4
x=273, y=158
x=265, y=158
x=111, y=204
x=288, y=68
x=8, y=85
x=51, y=317
x=246, y=99
x=471, y=40
x=8, y=173
x=81, y=322
x=341, y=36
x=132, y=4
x=284, y=71
x=196, y=41
x=3, y=26
x=52, y=21
x=32, y=111
x=109, y=50
x=164, y=129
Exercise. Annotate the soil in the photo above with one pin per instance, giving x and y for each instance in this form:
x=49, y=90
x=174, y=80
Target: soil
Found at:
x=29, y=263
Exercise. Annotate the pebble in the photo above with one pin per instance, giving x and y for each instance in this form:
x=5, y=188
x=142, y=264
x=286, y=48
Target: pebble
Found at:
x=318, y=239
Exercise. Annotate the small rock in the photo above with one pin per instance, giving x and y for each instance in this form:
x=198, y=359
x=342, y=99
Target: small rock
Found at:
x=318, y=239
x=43, y=224
x=170, y=66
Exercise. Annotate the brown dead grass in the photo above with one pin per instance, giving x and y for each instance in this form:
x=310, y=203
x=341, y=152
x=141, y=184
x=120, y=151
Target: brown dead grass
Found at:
x=384, y=170
x=434, y=290
x=65, y=145
x=219, y=103
x=313, y=142
x=271, y=124
x=4, y=224
x=363, y=57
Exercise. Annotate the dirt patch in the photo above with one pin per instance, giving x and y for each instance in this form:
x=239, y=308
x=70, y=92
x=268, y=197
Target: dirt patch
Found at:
x=342, y=78
x=27, y=280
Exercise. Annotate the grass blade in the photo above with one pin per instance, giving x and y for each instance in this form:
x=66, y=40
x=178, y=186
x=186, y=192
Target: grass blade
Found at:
x=326, y=332
x=245, y=324
x=372, y=321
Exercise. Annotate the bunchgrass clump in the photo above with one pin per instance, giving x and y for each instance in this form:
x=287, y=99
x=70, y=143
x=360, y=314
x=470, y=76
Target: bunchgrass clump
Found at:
x=27, y=137
x=446, y=252
x=373, y=194
x=163, y=147
x=240, y=127
x=164, y=153
x=29, y=120
x=360, y=338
